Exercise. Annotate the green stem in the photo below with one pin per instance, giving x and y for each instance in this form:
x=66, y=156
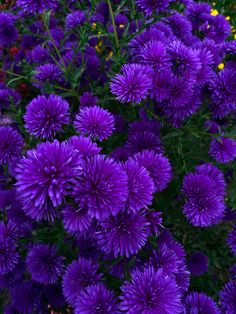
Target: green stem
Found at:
x=113, y=23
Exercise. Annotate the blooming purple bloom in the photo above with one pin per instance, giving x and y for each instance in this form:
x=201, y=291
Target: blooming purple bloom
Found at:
x=231, y=240
x=133, y=84
x=158, y=167
x=8, y=32
x=198, y=263
x=199, y=302
x=140, y=184
x=124, y=234
x=47, y=73
x=44, y=177
x=204, y=205
x=43, y=263
x=74, y=19
x=151, y=291
x=96, y=299
x=76, y=219
x=95, y=122
x=79, y=275
x=222, y=149
x=36, y=6
x=8, y=254
x=153, y=53
x=46, y=115
x=39, y=54
x=11, y=143
x=150, y=6
x=84, y=146
x=227, y=297
x=102, y=188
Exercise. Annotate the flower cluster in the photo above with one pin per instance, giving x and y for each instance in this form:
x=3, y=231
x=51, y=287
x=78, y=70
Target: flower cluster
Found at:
x=117, y=151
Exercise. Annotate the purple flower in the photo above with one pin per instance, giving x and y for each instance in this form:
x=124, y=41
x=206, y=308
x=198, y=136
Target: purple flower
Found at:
x=198, y=263
x=133, y=84
x=8, y=254
x=8, y=32
x=140, y=141
x=96, y=299
x=45, y=116
x=79, y=275
x=43, y=263
x=150, y=6
x=36, y=6
x=8, y=96
x=84, y=146
x=222, y=149
x=11, y=143
x=199, y=302
x=212, y=126
x=151, y=291
x=102, y=188
x=25, y=297
x=141, y=186
x=39, y=54
x=74, y=19
x=95, y=122
x=124, y=234
x=47, y=73
x=76, y=219
x=153, y=53
x=231, y=239
x=44, y=177
x=204, y=205
x=223, y=92
x=227, y=297
x=158, y=167
x=87, y=100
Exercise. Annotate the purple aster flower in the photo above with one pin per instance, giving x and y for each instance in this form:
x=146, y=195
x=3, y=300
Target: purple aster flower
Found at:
x=150, y=6
x=84, y=146
x=39, y=54
x=8, y=254
x=215, y=174
x=75, y=219
x=44, y=177
x=153, y=53
x=160, y=85
x=124, y=234
x=47, y=73
x=11, y=143
x=204, y=206
x=182, y=277
x=133, y=84
x=199, y=302
x=183, y=58
x=7, y=97
x=223, y=92
x=46, y=115
x=154, y=220
x=95, y=122
x=198, y=263
x=151, y=291
x=102, y=188
x=231, y=239
x=25, y=297
x=36, y=6
x=180, y=26
x=227, y=297
x=145, y=125
x=141, y=186
x=43, y=263
x=74, y=19
x=8, y=32
x=198, y=13
x=222, y=149
x=141, y=141
x=158, y=167
x=96, y=299
x=165, y=258
x=87, y=100
x=79, y=275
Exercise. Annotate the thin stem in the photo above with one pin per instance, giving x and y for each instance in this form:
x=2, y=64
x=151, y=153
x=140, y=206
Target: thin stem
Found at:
x=113, y=23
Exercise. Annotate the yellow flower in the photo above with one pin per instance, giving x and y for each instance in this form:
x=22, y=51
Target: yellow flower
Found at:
x=221, y=66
